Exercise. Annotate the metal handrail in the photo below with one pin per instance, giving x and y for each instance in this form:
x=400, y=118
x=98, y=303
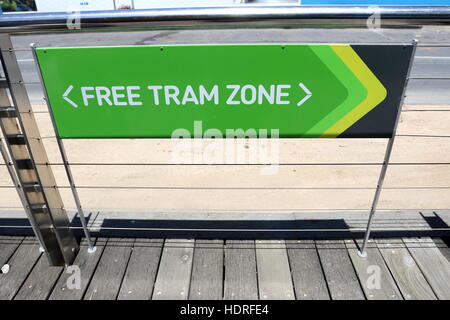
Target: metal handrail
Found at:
x=243, y=16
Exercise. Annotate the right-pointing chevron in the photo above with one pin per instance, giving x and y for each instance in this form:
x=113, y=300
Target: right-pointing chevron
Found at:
x=305, y=98
x=376, y=93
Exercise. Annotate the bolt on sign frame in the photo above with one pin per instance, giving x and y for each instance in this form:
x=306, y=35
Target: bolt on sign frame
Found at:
x=50, y=221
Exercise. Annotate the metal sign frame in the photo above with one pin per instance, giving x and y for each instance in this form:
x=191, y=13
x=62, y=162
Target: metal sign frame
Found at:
x=362, y=252
x=384, y=168
x=55, y=235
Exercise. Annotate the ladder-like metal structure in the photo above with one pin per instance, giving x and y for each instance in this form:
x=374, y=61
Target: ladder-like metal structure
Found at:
x=28, y=166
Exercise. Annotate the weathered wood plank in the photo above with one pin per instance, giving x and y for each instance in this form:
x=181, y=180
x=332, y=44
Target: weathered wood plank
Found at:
x=142, y=268
x=21, y=263
x=240, y=270
x=40, y=281
x=373, y=274
x=339, y=273
x=207, y=270
x=274, y=274
x=174, y=274
x=443, y=247
x=409, y=278
x=434, y=266
x=7, y=247
x=309, y=280
x=105, y=283
x=86, y=262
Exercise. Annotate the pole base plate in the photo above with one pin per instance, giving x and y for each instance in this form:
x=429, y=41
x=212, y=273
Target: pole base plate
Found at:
x=362, y=254
x=92, y=249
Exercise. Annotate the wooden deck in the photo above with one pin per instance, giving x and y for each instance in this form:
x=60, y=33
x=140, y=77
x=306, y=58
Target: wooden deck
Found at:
x=126, y=268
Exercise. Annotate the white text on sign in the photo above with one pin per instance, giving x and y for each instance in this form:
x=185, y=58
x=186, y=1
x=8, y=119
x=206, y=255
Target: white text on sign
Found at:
x=231, y=94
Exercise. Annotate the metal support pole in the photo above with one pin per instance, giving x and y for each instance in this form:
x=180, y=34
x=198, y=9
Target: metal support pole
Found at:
x=62, y=150
x=91, y=248
x=362, y=252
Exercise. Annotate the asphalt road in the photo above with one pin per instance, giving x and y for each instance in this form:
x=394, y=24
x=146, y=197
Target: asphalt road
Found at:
x=432, y=63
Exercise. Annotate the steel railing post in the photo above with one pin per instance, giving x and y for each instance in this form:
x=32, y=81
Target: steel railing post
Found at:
x=46, y=209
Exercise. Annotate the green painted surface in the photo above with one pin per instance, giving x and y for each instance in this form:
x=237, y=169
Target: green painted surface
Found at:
x=103, y=92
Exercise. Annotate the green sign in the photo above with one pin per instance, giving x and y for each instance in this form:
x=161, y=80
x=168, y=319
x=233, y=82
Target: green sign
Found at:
x=296, y=90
